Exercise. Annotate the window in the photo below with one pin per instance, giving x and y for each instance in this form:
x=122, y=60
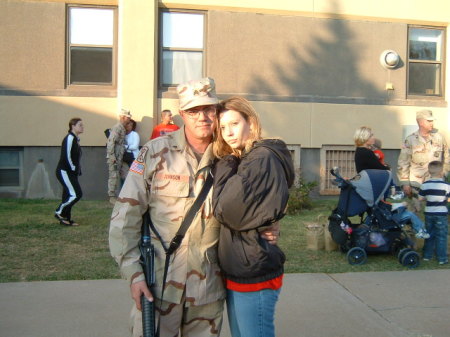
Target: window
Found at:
x=335, y=156
x=91, y=41
x=10, y=167
x=182, y=42
x=425, y=61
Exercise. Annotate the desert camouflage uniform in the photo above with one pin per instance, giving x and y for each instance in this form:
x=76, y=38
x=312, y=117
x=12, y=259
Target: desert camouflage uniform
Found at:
x=166, y=177
x=115, y=149
x=417, y=152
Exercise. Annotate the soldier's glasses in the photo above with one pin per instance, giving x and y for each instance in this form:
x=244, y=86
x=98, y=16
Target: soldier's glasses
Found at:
x=209, y=111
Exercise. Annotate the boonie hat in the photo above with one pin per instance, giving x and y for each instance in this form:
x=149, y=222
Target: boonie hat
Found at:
x=125, y=112
x=197, y=93
x=425, y=114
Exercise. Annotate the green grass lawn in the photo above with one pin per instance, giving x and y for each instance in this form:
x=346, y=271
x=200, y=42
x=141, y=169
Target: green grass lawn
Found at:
x=34, y=246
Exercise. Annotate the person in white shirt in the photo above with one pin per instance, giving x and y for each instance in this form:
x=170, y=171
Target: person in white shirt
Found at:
x=132, y=139
x=131, y=145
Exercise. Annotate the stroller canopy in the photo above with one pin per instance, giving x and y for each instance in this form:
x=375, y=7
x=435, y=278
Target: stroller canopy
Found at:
x=371, y=185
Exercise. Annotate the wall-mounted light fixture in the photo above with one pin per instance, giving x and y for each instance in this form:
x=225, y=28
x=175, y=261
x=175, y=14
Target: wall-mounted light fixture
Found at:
x=389, y=59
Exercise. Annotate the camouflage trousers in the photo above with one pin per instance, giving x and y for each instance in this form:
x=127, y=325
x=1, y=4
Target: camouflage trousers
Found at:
x=113, y=178
x=184, y=321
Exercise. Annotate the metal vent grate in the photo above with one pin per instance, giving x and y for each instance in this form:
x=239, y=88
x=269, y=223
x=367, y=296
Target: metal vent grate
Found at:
x=337, y=156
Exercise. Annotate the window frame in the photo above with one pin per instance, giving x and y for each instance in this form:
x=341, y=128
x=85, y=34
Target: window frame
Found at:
x=19, y=187
x=92, y=86
x=442, y=63
x=295, y=151
x=162, y=49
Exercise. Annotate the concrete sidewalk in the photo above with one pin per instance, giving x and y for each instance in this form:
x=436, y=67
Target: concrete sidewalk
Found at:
x=373, y=304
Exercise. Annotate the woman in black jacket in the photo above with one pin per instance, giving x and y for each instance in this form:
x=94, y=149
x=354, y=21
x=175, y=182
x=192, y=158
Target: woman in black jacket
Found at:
x=67, y=172
x=251, y=190
x=365, y=158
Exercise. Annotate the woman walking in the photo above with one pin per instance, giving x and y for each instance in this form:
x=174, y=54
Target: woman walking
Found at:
x=251, y=190
x=67, y=172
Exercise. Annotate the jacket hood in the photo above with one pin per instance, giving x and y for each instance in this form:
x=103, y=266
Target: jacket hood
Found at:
x=279, y=148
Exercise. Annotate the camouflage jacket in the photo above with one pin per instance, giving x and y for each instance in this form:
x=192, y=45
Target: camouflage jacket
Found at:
x=166, y=178
x=417, y=152
x=116, y=143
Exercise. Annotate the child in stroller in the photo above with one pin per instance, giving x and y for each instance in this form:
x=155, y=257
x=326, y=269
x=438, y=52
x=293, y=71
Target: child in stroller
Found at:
x=381, y=224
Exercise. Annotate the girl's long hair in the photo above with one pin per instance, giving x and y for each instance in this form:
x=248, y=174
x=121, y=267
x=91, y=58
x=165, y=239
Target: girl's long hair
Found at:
x=241, y=105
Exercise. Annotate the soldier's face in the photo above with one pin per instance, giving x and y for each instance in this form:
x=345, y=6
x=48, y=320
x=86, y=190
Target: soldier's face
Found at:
x=199, y=121
x=124, y=120
x=426, y=125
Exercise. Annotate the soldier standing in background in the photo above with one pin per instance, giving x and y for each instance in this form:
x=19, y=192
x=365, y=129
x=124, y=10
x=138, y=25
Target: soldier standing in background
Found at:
x=114, y=152
x=419, y=149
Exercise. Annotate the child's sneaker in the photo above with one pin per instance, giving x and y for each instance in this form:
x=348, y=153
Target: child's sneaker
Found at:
x=443, y=262
x=422, y=234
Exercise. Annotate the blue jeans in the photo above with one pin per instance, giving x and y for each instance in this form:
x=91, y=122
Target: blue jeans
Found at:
x=252, y=314
x=437, y=227
x=403, y=215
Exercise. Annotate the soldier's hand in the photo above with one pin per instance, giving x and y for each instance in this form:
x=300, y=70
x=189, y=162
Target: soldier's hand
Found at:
x=137, y=289
x=407, y=190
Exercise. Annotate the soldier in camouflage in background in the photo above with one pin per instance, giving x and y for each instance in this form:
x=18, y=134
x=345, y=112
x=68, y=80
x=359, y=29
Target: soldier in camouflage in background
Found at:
x=419, y=149
x=115, y=149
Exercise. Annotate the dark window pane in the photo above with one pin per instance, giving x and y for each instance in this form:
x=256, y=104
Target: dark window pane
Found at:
x=425, y=44
x=424, y=79
x=90, y=65
x=9, y=177
x=9, y=159
x=419, y=50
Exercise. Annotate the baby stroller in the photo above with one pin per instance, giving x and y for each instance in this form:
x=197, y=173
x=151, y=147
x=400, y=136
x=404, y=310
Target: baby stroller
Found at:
x=376, y=231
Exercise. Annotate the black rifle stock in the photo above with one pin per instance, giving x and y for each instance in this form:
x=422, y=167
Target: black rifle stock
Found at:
x=147, y=261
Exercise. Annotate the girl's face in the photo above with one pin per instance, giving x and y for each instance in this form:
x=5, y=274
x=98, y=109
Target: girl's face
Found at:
x=234, y=128
x=78, y=128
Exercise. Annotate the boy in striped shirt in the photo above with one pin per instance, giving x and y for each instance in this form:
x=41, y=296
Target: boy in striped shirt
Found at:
x=436, y=192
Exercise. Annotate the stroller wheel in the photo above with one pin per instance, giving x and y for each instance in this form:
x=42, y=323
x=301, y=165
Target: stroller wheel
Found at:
x=345, y=247
x=411, y=260
x=356, y=256
x=402, y=253
x=397, y=246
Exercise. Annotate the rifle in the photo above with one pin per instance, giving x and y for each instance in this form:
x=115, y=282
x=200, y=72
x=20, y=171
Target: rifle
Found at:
x=147, y=262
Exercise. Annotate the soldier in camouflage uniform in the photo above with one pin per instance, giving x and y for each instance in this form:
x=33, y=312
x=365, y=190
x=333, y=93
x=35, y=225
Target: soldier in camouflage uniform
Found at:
x=166, y=178
x=115, y=149
x=419, y=149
